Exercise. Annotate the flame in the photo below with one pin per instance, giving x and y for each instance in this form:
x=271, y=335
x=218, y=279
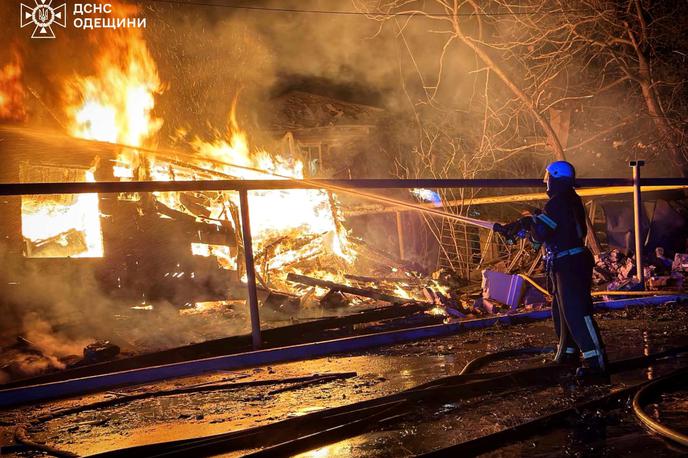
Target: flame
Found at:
x=438, y=311
x=401, y=292
x=12, y=90
x=306, y=210
x=222, y=253
x=115, y=104
x=290, y=227
x=44, y=220
x=204, y=307
x=276, y=213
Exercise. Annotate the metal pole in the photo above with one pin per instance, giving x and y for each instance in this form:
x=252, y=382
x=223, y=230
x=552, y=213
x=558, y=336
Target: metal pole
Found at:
x=250, y=270
x=400, y=236
x=637, y=211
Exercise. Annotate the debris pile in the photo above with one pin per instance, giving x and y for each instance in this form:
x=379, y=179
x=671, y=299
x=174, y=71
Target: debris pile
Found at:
x=615, y=271
x=613, y=268
x=100, y=351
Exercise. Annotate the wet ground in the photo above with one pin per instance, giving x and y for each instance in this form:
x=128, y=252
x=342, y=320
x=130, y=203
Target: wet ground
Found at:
x=385, y=371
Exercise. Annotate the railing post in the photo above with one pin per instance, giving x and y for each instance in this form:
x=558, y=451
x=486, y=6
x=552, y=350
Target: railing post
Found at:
x=400, y=236
x=637, y=212
x=250, y=269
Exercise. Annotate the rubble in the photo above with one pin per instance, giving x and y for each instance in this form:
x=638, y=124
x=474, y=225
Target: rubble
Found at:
x=612, y=265
x=370, y=293
x=615, y=271
x=334, y=300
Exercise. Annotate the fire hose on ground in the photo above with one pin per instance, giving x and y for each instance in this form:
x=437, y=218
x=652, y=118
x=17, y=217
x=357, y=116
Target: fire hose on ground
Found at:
x=651, y=391
x=323, y=427
x=600, y=293
x=484, y=360
x=491, y=442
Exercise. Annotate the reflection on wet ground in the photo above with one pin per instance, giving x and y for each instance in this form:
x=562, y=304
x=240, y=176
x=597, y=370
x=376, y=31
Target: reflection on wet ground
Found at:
x=385, y=371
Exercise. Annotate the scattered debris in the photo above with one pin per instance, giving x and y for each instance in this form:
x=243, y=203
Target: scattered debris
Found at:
x=505, y=288
x=371, y=293
x=100, y=351
x=615, y=271
x=334, y=300
x=612, y=265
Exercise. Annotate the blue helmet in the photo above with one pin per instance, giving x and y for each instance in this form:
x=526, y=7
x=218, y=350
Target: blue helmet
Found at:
x=560, y=169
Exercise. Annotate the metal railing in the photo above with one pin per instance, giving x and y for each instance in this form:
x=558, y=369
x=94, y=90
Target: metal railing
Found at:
x=15, y=189
x=244, y=186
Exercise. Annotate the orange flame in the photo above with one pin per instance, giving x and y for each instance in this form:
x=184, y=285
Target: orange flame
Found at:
x=116, y=103
x=303, y=211
x=113, y=105
x=12, y=90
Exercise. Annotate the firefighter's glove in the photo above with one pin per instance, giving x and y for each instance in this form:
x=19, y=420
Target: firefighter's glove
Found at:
x=519, y=229
x=507, y=230
x=499, y=228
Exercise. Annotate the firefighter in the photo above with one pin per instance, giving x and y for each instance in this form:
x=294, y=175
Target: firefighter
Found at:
x=561, y=226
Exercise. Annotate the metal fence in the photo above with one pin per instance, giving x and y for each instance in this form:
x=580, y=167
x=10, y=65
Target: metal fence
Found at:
x=244, y=186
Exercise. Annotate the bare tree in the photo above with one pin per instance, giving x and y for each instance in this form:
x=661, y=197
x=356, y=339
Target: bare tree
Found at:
x=629, y=46
x=538, y=59
x=506, y=115
x=538, y=70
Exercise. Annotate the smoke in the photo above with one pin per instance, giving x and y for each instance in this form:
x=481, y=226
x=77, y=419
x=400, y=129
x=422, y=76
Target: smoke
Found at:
x=209, y=54
x=41, y=335
x=58, y=307
x=33, y=304
x=41, y=349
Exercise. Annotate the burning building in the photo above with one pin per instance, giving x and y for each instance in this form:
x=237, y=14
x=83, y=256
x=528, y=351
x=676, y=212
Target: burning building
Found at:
x=139, y=251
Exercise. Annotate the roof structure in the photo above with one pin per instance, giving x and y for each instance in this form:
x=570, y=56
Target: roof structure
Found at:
x=302, y=110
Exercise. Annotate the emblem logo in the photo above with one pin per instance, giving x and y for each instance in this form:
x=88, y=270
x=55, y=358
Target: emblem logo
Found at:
x=43, y=16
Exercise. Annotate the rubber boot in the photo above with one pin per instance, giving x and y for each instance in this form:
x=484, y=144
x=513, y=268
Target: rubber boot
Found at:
x=567, y=359
x=592, y=373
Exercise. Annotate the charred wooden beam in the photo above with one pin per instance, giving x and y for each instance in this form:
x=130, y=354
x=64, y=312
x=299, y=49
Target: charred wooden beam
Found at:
x=371, y=293
x=365, y=279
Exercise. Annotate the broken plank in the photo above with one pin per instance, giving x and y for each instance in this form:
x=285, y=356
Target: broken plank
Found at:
x=371, y=293
x=365, y=279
